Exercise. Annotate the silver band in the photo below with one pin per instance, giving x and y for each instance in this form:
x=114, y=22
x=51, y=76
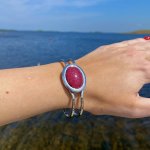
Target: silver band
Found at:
x=73, y=112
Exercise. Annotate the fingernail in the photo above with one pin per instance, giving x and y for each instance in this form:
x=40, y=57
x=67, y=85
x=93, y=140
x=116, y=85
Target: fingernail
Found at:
x=147, y=37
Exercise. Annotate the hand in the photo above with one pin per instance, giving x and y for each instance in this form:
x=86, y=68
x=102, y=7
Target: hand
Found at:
x=115, y=74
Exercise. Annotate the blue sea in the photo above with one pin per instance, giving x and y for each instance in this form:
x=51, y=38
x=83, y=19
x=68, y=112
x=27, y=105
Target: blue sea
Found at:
x=29, y=48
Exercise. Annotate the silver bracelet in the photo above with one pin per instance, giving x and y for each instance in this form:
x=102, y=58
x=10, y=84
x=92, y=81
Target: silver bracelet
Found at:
x=74, y=79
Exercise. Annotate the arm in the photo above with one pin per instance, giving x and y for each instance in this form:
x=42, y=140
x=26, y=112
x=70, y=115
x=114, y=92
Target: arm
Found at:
x=25, y=92
x=115, y=73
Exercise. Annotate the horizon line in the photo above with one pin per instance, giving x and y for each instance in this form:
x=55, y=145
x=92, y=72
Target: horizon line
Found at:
x=43, y=30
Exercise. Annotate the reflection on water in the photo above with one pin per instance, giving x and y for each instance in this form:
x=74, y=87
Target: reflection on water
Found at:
x=52, y=130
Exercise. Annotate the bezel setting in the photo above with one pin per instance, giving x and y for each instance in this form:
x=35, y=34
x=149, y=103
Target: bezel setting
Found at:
x=70, y=88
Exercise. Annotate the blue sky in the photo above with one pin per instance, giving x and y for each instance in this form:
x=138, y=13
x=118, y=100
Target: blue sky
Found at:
x=75, y=15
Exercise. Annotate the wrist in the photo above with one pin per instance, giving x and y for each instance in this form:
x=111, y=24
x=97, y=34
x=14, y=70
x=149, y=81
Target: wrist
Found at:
x=60, y=97
x=64, y=96
x=84, y=63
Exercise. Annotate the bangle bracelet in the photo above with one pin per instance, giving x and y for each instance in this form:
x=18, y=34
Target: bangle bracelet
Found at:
x=74, y=80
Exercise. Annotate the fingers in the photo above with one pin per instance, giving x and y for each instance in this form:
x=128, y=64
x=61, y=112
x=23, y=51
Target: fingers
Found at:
x=141, y=108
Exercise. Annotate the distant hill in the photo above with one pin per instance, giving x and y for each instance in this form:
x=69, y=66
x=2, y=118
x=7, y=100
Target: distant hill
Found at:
x=140, y=32
x=6, y=30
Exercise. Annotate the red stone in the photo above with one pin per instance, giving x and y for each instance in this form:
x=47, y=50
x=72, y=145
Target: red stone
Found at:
x=74, y=77
x=147, y=37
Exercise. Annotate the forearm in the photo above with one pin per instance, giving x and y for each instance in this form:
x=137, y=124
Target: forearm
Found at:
x=28, y=91
x=115, y=74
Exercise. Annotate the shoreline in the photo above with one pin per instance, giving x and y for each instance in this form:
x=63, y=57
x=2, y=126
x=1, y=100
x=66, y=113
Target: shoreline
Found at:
x=94, y=32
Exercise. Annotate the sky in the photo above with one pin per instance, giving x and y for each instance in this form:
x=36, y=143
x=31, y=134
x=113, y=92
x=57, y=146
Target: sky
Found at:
x=75, y=15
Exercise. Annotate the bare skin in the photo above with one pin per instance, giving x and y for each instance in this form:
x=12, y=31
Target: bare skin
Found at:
x=115, y=74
